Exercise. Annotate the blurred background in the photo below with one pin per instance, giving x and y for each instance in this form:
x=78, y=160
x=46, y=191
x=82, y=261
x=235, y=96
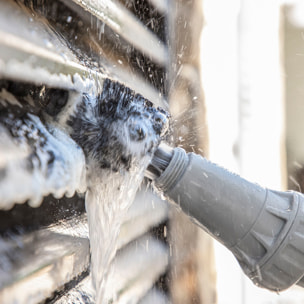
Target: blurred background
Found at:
x=252, y=67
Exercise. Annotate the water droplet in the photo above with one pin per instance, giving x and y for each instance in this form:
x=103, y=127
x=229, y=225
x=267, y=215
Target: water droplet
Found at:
x=165, y=231
x=217, y=234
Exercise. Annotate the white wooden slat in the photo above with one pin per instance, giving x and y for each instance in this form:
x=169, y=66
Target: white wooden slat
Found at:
x=33, y=266
x=135, y=269
x=112, y=13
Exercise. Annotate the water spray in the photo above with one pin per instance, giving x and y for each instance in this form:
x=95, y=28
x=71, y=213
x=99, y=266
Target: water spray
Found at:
x=100, y=144
x=264, y=229
x=118, y=131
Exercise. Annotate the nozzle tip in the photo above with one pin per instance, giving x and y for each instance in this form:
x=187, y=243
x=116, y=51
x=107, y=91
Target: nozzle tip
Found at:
x=159, y=162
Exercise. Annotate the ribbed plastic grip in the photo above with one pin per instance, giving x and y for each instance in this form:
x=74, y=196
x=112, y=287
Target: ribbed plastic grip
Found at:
x=174, y=171
x=283, y=262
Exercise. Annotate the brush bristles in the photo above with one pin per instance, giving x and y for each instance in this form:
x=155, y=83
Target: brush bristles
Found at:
x=117, y=128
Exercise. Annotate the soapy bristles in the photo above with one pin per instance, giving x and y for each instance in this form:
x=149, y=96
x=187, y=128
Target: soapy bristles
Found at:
x=117, y=126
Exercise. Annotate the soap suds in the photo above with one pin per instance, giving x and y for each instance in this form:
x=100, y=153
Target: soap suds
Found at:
x=36, y=159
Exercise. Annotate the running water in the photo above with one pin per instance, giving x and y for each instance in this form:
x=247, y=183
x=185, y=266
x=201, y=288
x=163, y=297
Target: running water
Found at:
x=118, y=132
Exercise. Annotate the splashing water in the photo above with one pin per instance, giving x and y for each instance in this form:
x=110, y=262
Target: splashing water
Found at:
x=106, y=205
x=118, y=132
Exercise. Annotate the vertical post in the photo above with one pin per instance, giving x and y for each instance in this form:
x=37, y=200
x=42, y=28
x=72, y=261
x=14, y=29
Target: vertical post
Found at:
x=192, y=267
x=294, y=67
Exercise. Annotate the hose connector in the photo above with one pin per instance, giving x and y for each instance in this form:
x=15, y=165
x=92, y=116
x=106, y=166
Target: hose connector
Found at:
x=173, y=172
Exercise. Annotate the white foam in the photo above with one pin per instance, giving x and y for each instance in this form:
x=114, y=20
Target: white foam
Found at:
x=108, y=198
x=65, y=176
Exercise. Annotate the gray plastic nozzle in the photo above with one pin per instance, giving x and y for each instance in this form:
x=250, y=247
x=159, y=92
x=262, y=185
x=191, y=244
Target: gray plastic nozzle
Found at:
x=263, y=228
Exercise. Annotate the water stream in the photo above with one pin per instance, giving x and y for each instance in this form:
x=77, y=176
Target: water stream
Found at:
x=107, y=202
x=118, y=132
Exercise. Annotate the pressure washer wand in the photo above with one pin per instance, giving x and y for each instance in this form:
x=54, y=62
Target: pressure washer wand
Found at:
x=263, y=228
